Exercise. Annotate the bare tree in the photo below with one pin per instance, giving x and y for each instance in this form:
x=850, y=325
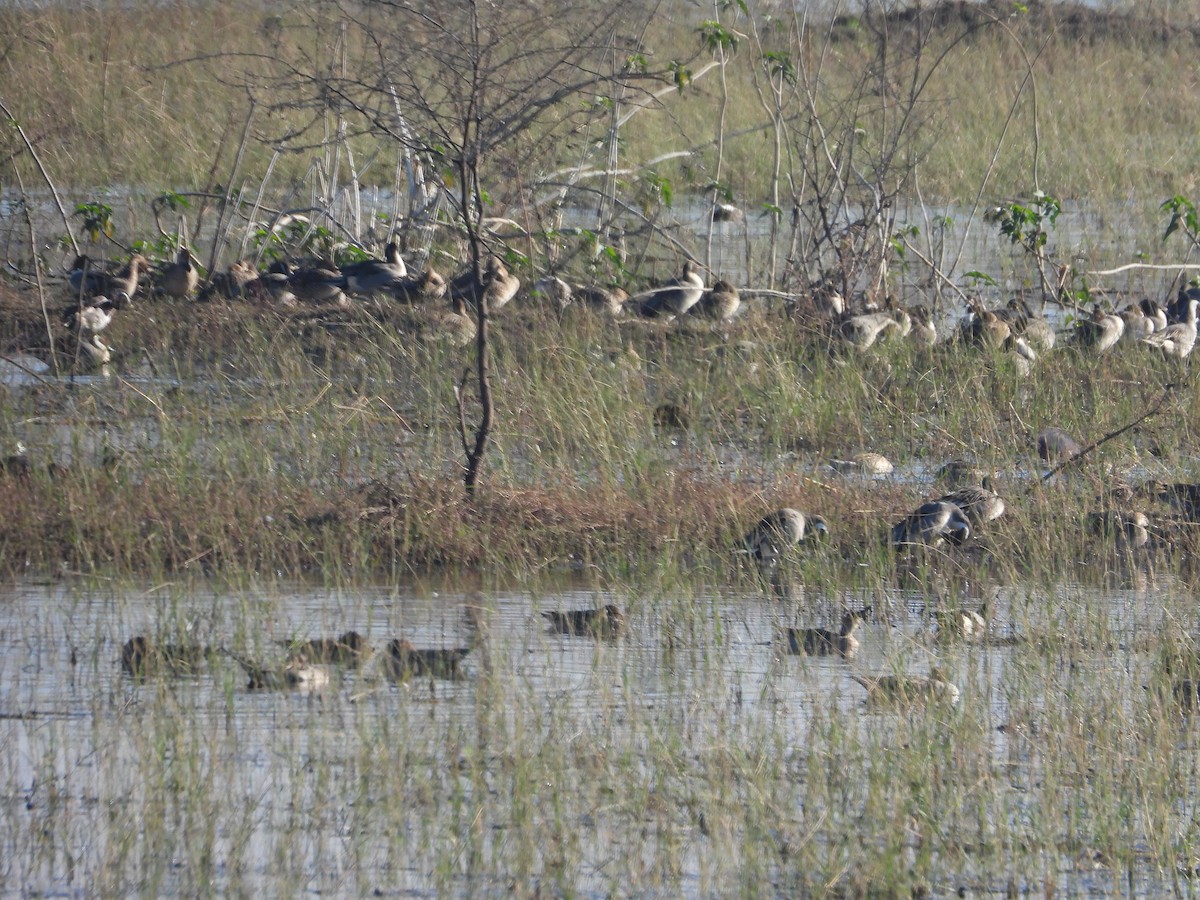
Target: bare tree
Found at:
x=485, y=94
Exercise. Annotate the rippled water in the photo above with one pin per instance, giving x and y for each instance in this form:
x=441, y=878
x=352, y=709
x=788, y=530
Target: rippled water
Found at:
x=272, y=791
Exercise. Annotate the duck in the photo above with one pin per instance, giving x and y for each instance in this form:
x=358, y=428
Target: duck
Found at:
x=608, y=301
x=1182, y=496
x=822, y=642
x=775, y=532
x=297, y=674
x=675, y=297
x=721, y=302
x=317, y=284
x=85, y=278
x=960, y=473
x=498, y=285
x=903, y=690
x=94, y=315
x=605, y=622
x=727, y=212
x=968, y=624
x=1055, y=445
x=1020, y=351
x=1137, y=323
x=371, y=275
x=1100, y=332
x=924, y=331
x=347, y=649
x=231, y=284
x=979, y=503
x=554, y=289
x=424, y=288
x=272, y=286
x=1129, y=529
x=984, y=327
x=865, y=463
x=932, y=524
x=403, y=661
x=1176, y=340
x=455, y=325
x=141, y=656
x=863, y=330
x=181, y=278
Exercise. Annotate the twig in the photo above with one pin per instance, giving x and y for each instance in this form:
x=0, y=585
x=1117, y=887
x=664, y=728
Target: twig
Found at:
x=45, y=175
x=462, y=412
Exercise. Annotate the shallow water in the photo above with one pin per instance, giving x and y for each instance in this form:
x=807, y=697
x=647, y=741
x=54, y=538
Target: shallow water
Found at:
x=275, y=792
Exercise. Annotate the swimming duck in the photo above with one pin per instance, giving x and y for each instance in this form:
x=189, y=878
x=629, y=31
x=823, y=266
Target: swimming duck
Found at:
x=720, y=302
x=967, y=624
x=141, y=656
x=932, y=524
x=675, y=297
x=404, y=661
x=606, y=622
x=298, y=674
x=822, y=642
x=372, y=275
x=181, y=278
x=776, y=532
x=1129, y=529
x=908, y=689
x=1179, y=339
x=865, y=463
x=348, y=649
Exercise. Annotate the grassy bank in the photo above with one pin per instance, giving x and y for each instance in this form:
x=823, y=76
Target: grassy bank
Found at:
x=238, y=438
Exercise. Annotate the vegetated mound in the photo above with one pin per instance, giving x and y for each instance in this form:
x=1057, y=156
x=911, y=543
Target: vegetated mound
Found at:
x=1068, y=22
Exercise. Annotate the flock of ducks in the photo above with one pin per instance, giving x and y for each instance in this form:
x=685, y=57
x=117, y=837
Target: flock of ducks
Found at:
x=1014, y=328
x=308, y=664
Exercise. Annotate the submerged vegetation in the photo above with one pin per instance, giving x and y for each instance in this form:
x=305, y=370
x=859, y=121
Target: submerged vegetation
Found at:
x=316, y=374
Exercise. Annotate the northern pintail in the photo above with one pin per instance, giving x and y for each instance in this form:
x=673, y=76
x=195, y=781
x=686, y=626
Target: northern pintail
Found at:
x=297, y=674
x=553, y=289
x=863, y=330
x=404, y=661
x=720, y=302
x=1128, y=529
x=865, y=463
x=968, y=624
x=1054, y=445
x=86, y=278
x=605, y=622
x=372, y=275
x=231, y=284
x=181, y=278
x=673, y=298
x=498, y=285
x=775, y=532
x=1179, y=339
x=1100, y=332
x=424, y=288
x=932, y=524
x=317, y=284
x=823, y=642
x=142, y=656
x=901, y=690
x=609, y=301
x=348, y=649
x=984, y=328
x=95, y=315
x=979, y=503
